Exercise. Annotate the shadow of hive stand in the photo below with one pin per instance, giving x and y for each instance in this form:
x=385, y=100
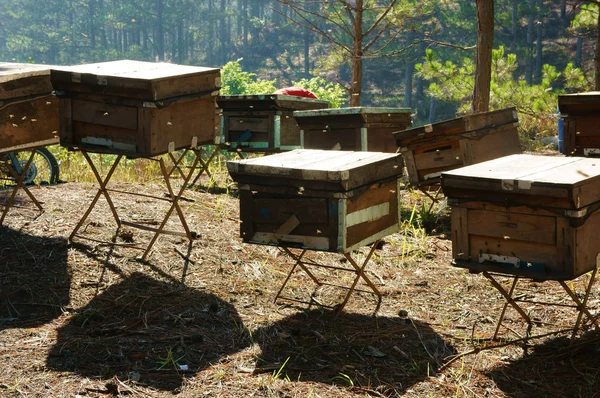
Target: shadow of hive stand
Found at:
x=525, y=216
x=582, y=123
x=28, y=120
x=315, y=200
x=431, y=149
x=352, y=129
x=139, y=110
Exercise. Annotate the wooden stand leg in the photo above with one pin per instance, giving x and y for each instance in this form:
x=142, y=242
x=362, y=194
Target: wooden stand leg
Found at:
x=360, y=273
x=101, y=191
x=177, y=162
x=358, y=270
x=174, y=206
x=204, y=164
x=19, y=179
x=582, y=305
x=509, y=301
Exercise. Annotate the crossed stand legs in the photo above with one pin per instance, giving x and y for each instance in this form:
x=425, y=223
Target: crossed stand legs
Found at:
x=580, y=305
x=173, y=198
x=19, y=180
x=358, y=270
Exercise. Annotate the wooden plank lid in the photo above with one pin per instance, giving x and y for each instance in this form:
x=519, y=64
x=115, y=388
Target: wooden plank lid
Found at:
x=22, y=80
x=266, y=102
x=317, y=169
x=579, y=102
x=149, y=81
x=545, y=181
x=364, y=112
x=457, y=126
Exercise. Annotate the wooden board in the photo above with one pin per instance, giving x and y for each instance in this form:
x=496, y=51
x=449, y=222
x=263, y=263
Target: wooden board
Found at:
x=315, y=222
x=579, y=103
x=133, y=129
x=427, y=134
x=268, y=102
x=352, y=129
x=18, y=81
x=558, y=182
x=28, y=110
x=149, y=81
x=309, y=168
x=523, y=241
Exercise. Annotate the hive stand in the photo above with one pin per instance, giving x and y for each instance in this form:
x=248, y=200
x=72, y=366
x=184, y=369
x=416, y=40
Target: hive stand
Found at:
x=201, y=166
x=304, y=264
x=19, y=184
x=511, y=300
x=173, y=199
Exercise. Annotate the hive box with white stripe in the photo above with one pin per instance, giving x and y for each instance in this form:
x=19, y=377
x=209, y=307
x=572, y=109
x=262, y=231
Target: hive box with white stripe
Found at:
x=534, y=216
x=333, y=201
x=136, y=108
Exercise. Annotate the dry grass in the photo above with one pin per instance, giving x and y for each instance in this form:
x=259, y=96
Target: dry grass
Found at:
x=89, y=320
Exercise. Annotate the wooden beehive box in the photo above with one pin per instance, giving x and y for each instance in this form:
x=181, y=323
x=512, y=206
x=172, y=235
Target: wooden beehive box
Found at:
x=352, y=129
x=332, y=201
x=581, y=113
x=262, y=123
x=136, y=108
x=28, y=110
x=429, y=150
x=526, y=215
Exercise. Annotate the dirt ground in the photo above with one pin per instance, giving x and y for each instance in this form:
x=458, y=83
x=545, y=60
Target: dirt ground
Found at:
x=87, y=319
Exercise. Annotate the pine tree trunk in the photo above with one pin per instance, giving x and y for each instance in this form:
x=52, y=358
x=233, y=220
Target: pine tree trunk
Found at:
x=485, y=42
x=357, y=54
x=92, y=10
x=160, y=31
x=530, y=32
x=597, y=58
x=538, y=46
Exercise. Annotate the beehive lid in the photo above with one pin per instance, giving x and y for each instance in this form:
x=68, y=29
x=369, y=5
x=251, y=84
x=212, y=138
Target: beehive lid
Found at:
x=544, y=181
x=149, y=81
x=579, y=102
x=317, y=169
x=453, y=128
x=266, y=102
x=23, y=80
x=362, y=111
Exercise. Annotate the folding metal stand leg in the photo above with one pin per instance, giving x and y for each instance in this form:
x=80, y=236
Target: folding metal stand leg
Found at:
x=19, y=180
x=173, y=198
x=357, y=269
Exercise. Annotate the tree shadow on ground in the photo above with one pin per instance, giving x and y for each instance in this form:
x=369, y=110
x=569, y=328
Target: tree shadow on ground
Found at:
x=36, y=281
x=376, y=355
x=151, y=332
x=557, y=368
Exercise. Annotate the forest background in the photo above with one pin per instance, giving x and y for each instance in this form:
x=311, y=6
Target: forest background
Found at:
x=419, y=53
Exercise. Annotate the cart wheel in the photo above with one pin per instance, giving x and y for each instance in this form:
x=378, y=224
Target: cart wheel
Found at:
x=43, y=170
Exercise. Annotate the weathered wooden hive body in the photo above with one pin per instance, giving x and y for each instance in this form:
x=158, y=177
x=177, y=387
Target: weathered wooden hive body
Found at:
x=28, y=109
x=429, y=150
x=352, y=129
x=581, y=113
x=332, y=201
x=262, y=123
x=526, y=215
x=137, y=108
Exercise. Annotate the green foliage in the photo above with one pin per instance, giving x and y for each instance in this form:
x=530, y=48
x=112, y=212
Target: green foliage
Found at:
x=325, y=90
x=586, y=18
x=234, y=81
x=536, y=103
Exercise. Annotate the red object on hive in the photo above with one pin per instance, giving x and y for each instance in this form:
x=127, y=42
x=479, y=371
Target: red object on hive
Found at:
x=297, y=91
